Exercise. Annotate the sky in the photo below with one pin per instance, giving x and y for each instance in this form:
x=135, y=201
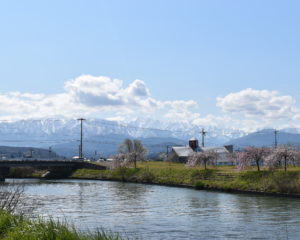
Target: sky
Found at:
x=230, y=63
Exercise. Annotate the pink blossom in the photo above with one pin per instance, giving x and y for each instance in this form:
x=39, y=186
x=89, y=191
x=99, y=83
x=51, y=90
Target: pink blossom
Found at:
x=201, y=158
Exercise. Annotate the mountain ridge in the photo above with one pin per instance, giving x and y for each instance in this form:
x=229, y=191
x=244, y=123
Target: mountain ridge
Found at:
x=104, y=136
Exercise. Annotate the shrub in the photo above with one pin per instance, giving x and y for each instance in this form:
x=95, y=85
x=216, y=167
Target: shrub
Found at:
x=286, y=182
x=199, y=185
x=147, y=176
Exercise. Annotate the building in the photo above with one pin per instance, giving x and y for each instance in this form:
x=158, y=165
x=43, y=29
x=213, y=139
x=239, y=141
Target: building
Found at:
x=181, y=153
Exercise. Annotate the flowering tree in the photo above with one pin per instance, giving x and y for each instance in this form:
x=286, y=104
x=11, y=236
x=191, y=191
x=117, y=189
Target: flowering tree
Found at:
x=282, y=155
x=133, y=151
x=233, y=158
x=201, y=158
x=296, y=161
x=119, y=160
x=163, y=156
x=252, y=155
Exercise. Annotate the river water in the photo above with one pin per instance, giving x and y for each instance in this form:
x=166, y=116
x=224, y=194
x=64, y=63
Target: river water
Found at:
x=159, y=212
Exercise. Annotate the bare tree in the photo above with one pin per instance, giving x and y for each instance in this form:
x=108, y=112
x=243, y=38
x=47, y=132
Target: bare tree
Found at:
x=133, y=151
x=10, y=196
x=252, y=155
x=201, y=158
x=13, y=200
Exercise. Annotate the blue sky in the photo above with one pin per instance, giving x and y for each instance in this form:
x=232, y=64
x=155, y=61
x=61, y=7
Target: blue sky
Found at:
x=202, y=61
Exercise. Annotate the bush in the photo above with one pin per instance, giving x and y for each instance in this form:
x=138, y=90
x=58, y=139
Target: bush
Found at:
x=124, y=173
x=199, y=185
x=21, y=172
x=147, y=176
x=286, y=182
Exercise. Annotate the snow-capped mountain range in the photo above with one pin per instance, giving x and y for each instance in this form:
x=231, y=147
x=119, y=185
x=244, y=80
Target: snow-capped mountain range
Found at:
x=104, y=136
x=65, y=133
x=38, y=132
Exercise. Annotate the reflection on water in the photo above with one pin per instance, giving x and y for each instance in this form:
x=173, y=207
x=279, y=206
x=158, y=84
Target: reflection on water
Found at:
x=158, y=212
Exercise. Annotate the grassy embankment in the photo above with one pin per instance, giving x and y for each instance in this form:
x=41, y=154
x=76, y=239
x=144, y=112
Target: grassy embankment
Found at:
x=222, y=178
x=20, y=228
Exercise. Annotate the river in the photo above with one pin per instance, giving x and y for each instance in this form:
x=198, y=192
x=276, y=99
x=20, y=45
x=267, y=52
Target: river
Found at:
x=159, y=212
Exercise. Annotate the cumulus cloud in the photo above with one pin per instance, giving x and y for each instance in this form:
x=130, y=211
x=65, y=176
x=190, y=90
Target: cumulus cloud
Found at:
x=95, y=91
x=258, y=103
x=87, y=95
x=104, y=91
x=138, y=88
x=105, y=97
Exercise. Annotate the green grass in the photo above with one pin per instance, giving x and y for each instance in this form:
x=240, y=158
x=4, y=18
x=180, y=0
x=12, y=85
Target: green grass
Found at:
x=226, y=178
x=222, y=177
x=20, y=228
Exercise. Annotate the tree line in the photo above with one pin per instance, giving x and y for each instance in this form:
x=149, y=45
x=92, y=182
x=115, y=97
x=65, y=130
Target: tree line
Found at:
x=270, y=158
x=132, y=151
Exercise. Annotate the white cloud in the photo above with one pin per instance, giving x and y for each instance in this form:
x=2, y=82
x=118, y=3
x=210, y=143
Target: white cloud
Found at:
x=104, y=97
x=181, y=110
x=258, y=103
x=95, y=91
x=104, y=91
x=89, y=95
x=138, y=88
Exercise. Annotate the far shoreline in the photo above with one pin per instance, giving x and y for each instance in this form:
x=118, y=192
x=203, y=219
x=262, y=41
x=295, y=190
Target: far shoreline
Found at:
x=211, y=189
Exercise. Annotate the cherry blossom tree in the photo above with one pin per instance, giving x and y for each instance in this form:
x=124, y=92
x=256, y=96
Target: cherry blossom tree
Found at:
x=133, y=151
x=201, y=158
x=163, y=156
x=283, y=155
x=252, y=155
x=296, y=161
x=119, y=160
x=233, y=158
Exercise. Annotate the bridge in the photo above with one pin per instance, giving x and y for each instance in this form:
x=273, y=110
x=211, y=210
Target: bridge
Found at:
x=54, y=168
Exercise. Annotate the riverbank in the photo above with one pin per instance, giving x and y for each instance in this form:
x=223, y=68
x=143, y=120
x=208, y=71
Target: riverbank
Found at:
x=225, y=178
x=20, y=228
x=222, y=178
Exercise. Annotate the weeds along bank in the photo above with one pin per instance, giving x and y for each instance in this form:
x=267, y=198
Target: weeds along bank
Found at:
x=14, y=225
x=19, y=228
x=226, y=178
x=222, y=178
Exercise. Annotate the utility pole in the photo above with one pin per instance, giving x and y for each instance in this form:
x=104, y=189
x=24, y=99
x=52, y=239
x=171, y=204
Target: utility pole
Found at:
x=50, y=150
x=167, y=153
x=81, y=133
x=275, y=135
x=31, y=153
x=203, y=133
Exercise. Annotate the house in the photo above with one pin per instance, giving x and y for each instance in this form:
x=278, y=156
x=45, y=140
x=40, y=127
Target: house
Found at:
x=181, y=153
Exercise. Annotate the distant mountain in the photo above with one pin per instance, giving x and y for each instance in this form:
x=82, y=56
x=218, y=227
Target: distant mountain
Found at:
x=107, y=145
x=266, y=138
x=105, y=136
